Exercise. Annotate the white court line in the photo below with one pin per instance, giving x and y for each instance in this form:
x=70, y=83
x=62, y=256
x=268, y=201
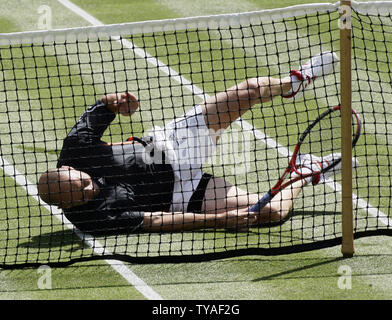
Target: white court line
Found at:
x=97, y=247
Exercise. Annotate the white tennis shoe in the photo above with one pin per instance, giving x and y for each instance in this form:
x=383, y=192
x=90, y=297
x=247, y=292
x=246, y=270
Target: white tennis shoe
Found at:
x=308, y=163
x=320, y=65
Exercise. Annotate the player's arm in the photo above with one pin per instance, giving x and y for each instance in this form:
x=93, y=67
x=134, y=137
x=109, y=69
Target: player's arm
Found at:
x=179, y=221
x=83, y=142
x=130, y=221
x=95, y=120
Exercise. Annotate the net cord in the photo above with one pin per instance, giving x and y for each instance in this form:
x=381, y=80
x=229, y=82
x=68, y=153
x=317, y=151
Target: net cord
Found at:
x=166, y=25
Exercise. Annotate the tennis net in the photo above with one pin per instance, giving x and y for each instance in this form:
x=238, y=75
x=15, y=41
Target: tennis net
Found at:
x=49, y=78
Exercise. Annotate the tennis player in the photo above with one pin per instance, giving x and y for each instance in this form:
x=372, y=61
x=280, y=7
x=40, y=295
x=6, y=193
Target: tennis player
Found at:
x=106, y=188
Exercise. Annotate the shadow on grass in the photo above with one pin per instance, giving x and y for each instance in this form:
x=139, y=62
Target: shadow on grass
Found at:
x=62, y=238
x=256, y=268
x=69, y=238
x=196, y=246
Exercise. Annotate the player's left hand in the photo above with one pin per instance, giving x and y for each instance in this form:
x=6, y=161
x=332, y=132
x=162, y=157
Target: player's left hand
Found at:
x=123, y=103
x=237, y=219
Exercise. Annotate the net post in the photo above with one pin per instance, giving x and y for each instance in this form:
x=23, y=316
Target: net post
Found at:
x=346, y=127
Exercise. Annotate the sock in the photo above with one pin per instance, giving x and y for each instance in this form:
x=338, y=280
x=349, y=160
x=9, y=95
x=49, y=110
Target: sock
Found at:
x=297, y=81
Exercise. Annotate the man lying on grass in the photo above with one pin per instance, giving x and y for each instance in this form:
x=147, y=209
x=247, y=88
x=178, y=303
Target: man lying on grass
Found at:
x=106, y=188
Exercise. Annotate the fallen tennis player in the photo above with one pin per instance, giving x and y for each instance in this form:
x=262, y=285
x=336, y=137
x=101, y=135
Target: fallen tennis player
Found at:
x=105, y=187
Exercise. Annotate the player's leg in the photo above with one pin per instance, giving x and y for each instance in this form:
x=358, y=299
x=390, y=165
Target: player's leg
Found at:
x=222, y=196
x=225, y=107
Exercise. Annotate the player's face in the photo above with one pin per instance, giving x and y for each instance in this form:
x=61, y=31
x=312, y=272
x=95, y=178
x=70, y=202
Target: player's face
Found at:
x=77, y=190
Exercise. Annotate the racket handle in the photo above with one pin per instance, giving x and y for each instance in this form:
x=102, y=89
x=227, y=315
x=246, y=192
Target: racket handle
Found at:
x=262, y=202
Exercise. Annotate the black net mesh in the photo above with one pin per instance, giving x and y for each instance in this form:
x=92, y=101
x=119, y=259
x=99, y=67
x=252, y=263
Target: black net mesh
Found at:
x=46, y=87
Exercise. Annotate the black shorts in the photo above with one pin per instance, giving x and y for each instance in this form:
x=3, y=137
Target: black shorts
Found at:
x=196, y=201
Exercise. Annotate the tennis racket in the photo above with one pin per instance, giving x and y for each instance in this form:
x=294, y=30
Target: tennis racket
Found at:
x=321, y=138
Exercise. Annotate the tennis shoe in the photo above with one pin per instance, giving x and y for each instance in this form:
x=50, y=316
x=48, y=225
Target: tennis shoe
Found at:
x=320, y=65
x=308, y=163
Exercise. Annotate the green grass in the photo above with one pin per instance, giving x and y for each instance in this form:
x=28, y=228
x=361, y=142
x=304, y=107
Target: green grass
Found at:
x=311, y=275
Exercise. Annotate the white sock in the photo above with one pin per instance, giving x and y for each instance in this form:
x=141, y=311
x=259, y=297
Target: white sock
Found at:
x=296, y=83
